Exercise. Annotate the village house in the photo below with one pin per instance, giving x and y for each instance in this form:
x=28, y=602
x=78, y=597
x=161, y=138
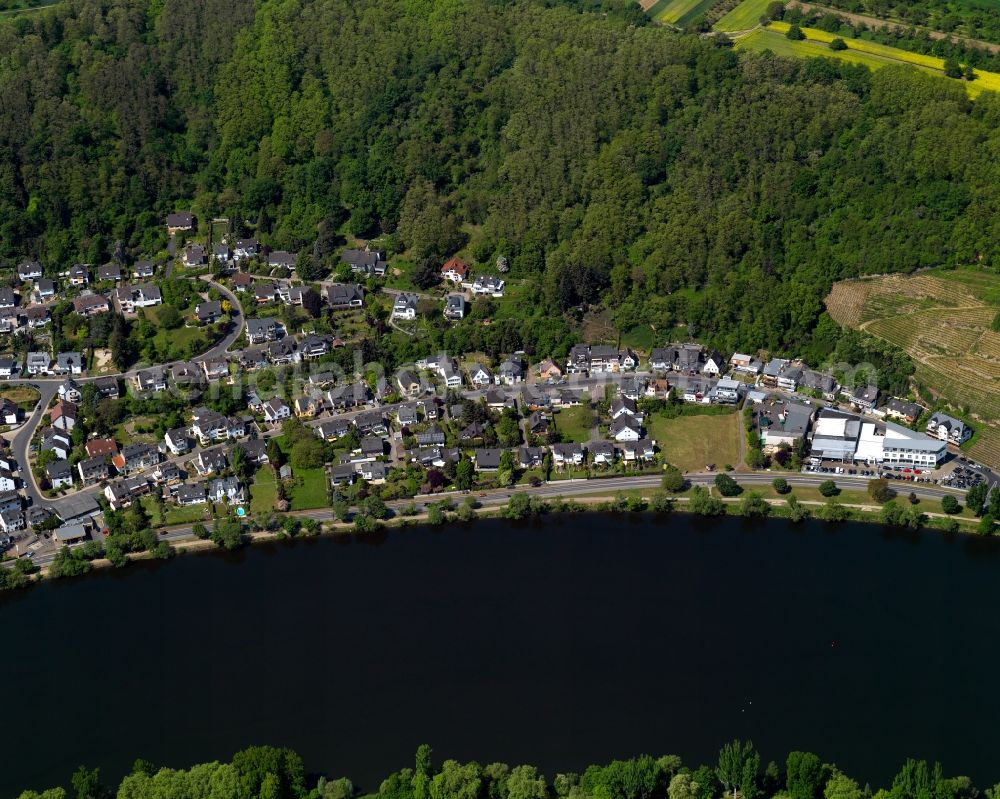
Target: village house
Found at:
x=602, y=453
x=111, y=272
x=135, y=458
x=181, y=222
x=241, y=281
x=7, y=297
x=567, y=454
x=530, y=457
x=246, y=249
x=143, y=269
x=405, y=306
x=455, y=307
x=510, y=373
x=93, y=470
x=149, y=380
x=480, y=376
x=45, y=289
x=261, y=330
x=8, y=412
x=29, y=270
x=825, y=384
x=487, y=459
x=283, y=352
x=59, y=473
x=455, y=270
x=12, y=521
x=409, y=383
x=69, y=363
x=208, y=312
x=488, y=285
x=342, y=296
x=265, y=293
x=314, y=346
x=642, y=450
x=177, y=441
x=37, y=316
x=948, y=428
x=907, y=412
x=215, y=369
x=368, y=262
x=727, y=390
x=276, y=410
x=210, y=461
x=208, y=425
x=333, y=429
x=371, y=422
x=139, y=295
x=864, y=398
x=308, y=406
x=9, y=366
x=548, y=370
x=221, y=254
x=714, y=365
x=191, y=494
x=78, y=275
x=107, y=387
x=281, y=259
x=91, y=304
x=56, y=441
x=194, y=256
x=226, y=489
x=101, y=448
x=62, y=415
x=625, y=428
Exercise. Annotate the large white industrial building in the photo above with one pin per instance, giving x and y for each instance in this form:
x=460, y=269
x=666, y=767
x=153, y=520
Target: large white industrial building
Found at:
x=852, y=439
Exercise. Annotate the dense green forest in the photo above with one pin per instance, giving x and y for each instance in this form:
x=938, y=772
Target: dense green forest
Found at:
x=264, y=772
x=613, y=162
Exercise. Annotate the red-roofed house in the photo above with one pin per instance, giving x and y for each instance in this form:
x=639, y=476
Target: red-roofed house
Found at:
x=455, y=270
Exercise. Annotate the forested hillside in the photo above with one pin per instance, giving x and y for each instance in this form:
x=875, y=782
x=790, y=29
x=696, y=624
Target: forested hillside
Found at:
x=610, y=161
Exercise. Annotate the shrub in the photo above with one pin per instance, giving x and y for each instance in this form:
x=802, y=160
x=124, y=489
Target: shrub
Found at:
x=838, y=44
x=727, y=486
x=950, y=505
x=828, y=488
x=780, y=485
x=795, y=33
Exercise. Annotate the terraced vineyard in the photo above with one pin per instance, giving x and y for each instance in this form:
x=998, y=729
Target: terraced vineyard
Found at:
x=942, y=319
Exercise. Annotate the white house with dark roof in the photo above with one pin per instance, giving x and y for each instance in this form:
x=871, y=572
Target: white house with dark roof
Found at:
x=342, y=296
x=405, y=306
x=261, y=330
x=948, y=428
x=276, y=410
x=29, y=270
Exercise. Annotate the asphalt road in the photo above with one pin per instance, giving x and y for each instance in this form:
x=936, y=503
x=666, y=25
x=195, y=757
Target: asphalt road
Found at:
x=571, y=488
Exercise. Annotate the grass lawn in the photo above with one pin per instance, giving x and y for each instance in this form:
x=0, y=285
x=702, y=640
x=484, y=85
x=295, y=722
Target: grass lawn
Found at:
x=641, y=337
x=744, y=17
x=575, y=423
x=692, y=442
x=264, y=491
x=859, y=51
x=182, y=515
x=308, y=489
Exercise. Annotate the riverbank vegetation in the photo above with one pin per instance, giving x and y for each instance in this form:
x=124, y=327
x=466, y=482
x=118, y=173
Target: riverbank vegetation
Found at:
x=738, y=771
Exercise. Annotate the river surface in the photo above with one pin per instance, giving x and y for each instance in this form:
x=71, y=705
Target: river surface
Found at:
x=558, y=643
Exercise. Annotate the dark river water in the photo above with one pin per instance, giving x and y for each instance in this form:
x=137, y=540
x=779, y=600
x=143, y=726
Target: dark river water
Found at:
x=561, y=643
